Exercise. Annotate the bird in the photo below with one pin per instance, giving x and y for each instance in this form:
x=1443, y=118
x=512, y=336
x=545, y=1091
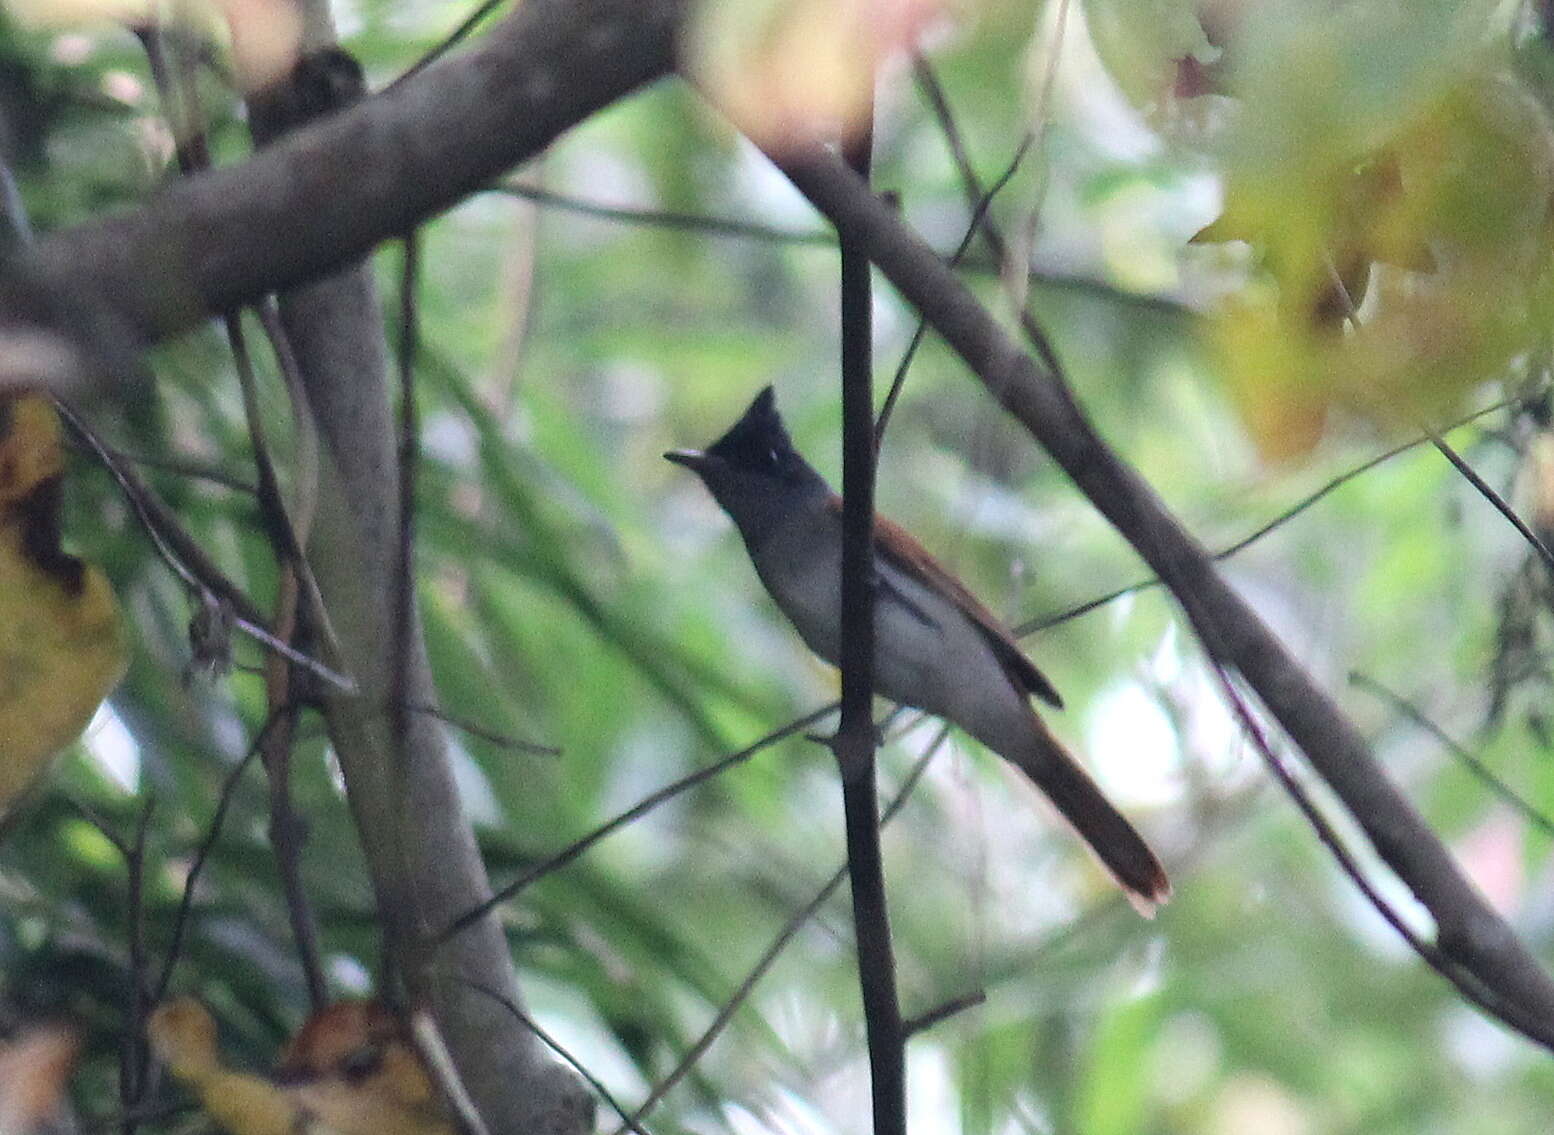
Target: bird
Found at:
x=936, y=647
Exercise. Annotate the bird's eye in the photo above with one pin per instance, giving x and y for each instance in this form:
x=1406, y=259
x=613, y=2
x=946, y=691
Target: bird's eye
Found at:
x=773, y=458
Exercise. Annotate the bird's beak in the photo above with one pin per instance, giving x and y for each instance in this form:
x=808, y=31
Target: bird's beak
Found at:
x=693, y=459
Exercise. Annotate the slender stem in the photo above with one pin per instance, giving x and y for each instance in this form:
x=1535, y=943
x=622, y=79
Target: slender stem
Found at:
x=1478, y=768
x=1044, y=622
x=202, y=853
x=786, y=935
x=854, y=741
x=567, y=854
x=1488, y=493
x=134, y=1059
x=1468, y=982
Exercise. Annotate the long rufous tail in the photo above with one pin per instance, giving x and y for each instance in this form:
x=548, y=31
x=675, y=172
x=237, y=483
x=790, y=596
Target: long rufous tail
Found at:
x=1121, y=850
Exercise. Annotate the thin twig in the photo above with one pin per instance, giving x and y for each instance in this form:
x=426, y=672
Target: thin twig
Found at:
x=180, y=467
x=101, y=825
x=1464, y=979
x=971, y=185
x=207, y=844
x=635, y=812
x=468, y=24
x=917, y=1024
x=1502, y=506
x=183, y=555
x=784, y=936
x=550, y=1042
x=134, y=1061
x=503, y=740
x=979, y=219
x=433, y=1050
x=286, y=828
x=1045, y=621
x=1477, y=767
x=698, y=223
x=716, y=226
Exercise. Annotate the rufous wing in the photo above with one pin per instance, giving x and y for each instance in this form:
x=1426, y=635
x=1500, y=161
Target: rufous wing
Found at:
x=900, y=549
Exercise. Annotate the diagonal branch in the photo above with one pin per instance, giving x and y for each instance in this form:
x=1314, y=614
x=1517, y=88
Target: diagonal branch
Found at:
x=1465, y=981
x=1486, y=775
x=1469, y=931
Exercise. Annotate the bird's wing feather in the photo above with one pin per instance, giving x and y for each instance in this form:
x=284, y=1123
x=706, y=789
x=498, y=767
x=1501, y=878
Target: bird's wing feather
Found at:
x=898, y=547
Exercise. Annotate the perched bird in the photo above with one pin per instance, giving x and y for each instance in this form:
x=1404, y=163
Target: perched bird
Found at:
x=936, y=647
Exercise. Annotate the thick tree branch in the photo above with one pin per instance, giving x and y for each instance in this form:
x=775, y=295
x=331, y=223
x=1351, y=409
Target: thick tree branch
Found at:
x=399, y=777
x=1468, y=929
x=333, y=191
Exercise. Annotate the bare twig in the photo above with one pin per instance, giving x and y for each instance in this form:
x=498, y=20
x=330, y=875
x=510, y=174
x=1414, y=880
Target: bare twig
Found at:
x=202, y=853
x=183, y=555
x=979, y=218
x=434, y=1053
x=468, y=24
x=635, y=812
x=134, y=1059
x=1466, y=982
x=697, y=223
x=917, y=1024
x=1477, y=767
x=179, y=467
x=971, y=185
x=716, y=226
x=550, y=1042
x=1045, y=621
x=504, y=740
x=764, y=963
x=1501, y=505
x=287, y=832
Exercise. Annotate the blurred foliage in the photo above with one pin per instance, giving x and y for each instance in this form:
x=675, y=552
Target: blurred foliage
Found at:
x=1379, y=260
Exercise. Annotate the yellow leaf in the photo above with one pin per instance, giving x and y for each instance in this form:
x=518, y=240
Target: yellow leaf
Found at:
x=1451, y=263
x=183, y=1036
x=350, y=1070
x=62, y=647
